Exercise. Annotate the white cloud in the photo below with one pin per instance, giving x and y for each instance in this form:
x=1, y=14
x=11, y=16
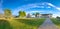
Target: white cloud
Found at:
x=58, y=8
x=28, y=6
x=48, y=7
x=24, y=7
x=34, y=11
x=56, y=14
x=1, y=11
x=36, y=5
x=51, y=4
x=50, y=11
x=37, y=11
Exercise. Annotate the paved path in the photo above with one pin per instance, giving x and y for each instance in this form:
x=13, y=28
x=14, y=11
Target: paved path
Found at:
x=48, y=25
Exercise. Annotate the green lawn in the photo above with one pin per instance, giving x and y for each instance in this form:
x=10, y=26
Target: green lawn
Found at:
x=56, y=21
x=21, y=23
x=5, y=24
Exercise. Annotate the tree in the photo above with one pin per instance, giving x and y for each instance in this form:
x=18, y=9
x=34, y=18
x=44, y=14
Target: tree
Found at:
x=58, y=17
x=22, y=14
x=33, y=13
x=7, y=13
x=36, y=14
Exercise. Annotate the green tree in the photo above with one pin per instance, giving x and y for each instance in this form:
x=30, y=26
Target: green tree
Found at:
x=22, y=13
x=58, y=17
x=33, y=13
x=7, y=13
x=36, y=14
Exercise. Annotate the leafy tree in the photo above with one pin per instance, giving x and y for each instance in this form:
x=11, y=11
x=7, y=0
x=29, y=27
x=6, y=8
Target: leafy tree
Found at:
x=36, y=14
x=58, y=17
x=33, y=14
x=7, y=13
x=22, y=14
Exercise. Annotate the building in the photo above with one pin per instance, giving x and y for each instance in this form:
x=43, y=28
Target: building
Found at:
x=40, y=16
x=45, y=15
x=28, y=15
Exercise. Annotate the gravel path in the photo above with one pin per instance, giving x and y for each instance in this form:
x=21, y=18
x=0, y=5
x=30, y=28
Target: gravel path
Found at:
x=48, y=25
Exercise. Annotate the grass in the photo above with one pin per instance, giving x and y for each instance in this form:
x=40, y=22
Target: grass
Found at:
x=5, y=24
x=56, y=21
x=22, y=23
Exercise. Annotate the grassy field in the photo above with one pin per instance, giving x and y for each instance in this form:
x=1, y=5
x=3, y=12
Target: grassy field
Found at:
x=21, y=23
x=56, y=21
x=5, y=24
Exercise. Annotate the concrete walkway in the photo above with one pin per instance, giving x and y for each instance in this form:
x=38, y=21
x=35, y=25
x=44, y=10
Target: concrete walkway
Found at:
x=48, y=25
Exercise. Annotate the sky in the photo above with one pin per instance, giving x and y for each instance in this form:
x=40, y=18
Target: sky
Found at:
x=32, y=6
x=1, y=11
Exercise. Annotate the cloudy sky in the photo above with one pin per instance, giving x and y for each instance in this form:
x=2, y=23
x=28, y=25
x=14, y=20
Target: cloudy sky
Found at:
x=31, y=6
x=1, y=11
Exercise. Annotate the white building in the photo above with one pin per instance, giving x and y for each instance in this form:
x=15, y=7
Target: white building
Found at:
x=45, y=15
x=40, y=16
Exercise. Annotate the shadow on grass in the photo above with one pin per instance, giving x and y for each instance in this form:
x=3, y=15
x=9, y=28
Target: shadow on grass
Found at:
x=4, y=24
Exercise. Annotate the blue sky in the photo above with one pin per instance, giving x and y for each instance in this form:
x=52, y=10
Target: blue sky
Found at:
x=31, y=6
